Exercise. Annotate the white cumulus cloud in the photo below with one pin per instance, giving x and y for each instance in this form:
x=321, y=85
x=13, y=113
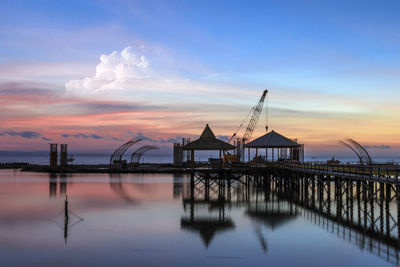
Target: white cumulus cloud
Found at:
x=114, y=72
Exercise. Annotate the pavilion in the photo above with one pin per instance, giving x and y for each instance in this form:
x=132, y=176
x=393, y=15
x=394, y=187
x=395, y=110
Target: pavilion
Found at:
x=207, y=141
x=277, y=143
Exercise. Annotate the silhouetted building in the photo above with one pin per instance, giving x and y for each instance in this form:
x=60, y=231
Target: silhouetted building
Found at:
x=279, y=145
x=63, y=154
x=53, y=155
x=207, y=141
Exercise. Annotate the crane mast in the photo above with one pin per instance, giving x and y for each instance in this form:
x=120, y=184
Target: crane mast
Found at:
x=255, y=114
x=254, y=118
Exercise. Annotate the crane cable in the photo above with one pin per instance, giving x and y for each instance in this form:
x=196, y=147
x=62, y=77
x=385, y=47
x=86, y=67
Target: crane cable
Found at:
x=241, y=124
x=266, y=113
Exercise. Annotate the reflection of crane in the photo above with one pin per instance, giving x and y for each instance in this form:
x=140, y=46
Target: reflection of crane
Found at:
x=261, y=237
x=255, y=114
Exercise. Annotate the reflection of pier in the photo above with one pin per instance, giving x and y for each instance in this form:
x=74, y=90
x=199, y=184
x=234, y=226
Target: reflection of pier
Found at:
x=207, y=197
x=362, y=212
x=365, y=213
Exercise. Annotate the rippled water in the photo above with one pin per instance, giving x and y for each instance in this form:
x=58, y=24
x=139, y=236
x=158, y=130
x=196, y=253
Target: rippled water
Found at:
x=159, y=220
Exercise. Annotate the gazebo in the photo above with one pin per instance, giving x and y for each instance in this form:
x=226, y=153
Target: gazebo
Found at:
x=276, y=142
x=207, y=141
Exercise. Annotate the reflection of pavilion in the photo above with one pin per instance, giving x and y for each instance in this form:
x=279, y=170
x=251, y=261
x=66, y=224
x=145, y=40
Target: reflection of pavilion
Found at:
x=266, y=209
x=207, y=227
x=207, y=203
x=270, y=210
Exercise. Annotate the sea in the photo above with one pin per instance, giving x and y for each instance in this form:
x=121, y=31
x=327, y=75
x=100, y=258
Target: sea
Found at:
x=164, y=220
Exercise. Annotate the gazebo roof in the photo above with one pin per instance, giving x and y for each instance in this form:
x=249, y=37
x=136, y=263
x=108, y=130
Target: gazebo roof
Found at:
x=272, y=140
x=207, y=141
x=207, y=227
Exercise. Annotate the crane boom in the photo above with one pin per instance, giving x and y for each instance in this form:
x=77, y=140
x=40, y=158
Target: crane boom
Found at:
x=254, y=118
x=255, y=114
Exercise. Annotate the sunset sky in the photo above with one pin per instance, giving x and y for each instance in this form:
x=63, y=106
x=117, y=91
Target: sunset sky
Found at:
x=95, y=73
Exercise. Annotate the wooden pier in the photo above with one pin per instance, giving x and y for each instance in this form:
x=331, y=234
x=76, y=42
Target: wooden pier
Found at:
x=359, y=203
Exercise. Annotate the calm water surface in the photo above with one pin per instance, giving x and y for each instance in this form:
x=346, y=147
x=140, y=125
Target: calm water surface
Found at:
x=154, y=220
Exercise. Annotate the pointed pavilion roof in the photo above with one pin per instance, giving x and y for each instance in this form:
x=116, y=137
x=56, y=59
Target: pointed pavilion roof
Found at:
x=272, y=140
x=207, y=141
x=207, y=227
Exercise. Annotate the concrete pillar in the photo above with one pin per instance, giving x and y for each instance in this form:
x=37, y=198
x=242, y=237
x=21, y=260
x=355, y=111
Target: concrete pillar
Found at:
x=63, y=154
x=53, y=154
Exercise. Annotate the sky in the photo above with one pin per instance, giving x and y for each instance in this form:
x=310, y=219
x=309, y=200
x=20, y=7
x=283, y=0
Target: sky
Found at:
x=96, y=73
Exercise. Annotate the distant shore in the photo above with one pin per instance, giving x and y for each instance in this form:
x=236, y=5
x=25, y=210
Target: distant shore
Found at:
x=96, y=168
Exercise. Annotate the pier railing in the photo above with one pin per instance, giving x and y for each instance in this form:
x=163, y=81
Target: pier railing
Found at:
x=379, y=173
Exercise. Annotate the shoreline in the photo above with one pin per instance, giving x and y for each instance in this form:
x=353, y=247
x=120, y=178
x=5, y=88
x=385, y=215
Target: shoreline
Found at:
x=97, y=168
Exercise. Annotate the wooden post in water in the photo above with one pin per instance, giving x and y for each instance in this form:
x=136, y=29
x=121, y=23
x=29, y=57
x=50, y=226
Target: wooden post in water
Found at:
x=66, y=219
x=371, y=197
x=192, y=158
x=381, y=201
x=387, y=210
x=398, y=209
x=66, y=209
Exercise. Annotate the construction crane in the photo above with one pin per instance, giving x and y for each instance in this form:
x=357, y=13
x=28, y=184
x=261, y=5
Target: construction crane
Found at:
x=255, y=111
x=254, y=118
x=255, y=114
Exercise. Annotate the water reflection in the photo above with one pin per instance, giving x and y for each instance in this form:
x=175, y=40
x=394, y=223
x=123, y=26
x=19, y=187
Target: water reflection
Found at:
x=118, y=187
x=153, y=220
x=57, y=180
x=366, y=219
x=69, y=218
x=177, y=186
x=206, y=212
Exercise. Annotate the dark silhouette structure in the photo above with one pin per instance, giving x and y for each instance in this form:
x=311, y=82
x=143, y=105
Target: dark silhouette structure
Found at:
x=362, y=209
x=116, y=156
x=359, y=150
x=63, y=154
x=207, y=141
x=138, y=153
x=279, y=144
x=53, y=155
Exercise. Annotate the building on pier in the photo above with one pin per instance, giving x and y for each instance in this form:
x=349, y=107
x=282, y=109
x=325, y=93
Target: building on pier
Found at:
x=207, y=141
x=279, y=145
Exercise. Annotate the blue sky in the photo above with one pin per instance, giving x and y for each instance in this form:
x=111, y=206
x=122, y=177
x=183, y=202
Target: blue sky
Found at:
x=324, y=61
